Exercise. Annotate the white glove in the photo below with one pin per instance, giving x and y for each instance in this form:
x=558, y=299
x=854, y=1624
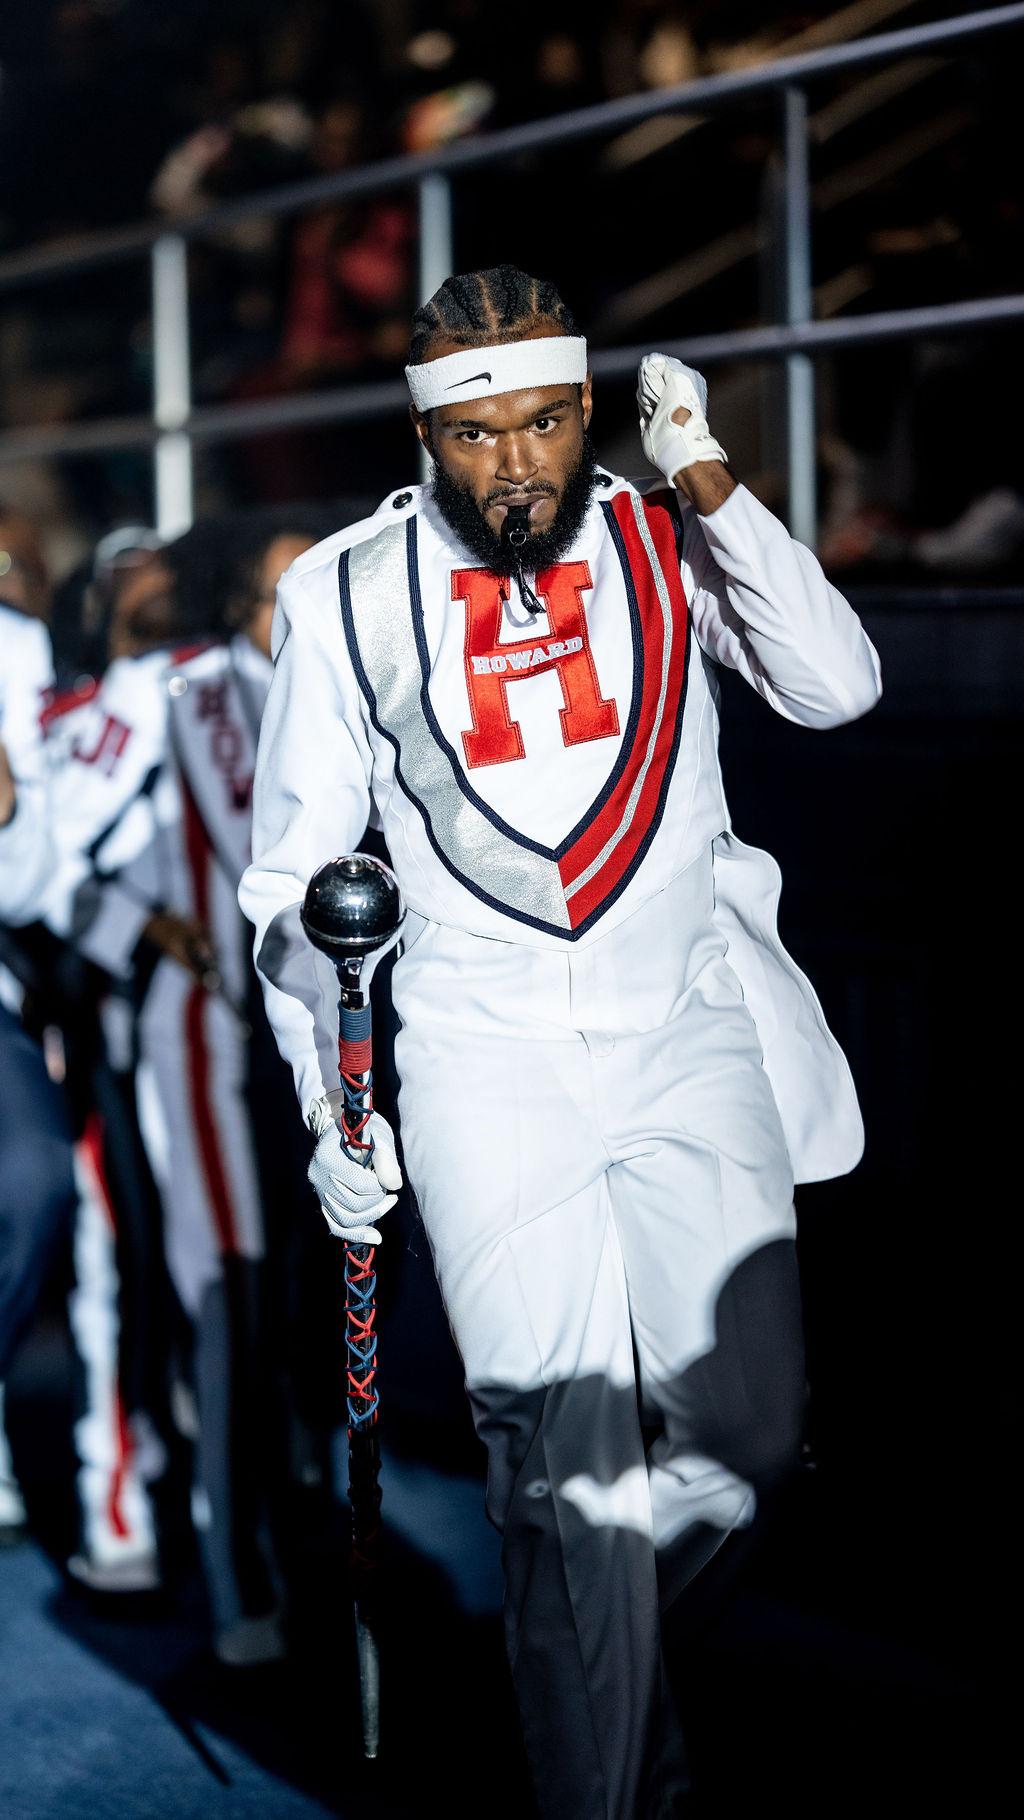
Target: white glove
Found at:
x=352, y=1193
x=664, y=384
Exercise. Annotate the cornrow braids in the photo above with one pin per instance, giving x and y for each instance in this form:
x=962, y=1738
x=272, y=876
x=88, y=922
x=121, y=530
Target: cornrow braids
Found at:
x=479, y=308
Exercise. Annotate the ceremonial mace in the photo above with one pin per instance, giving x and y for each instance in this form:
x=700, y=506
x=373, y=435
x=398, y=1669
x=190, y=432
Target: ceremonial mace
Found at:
x=353, y=912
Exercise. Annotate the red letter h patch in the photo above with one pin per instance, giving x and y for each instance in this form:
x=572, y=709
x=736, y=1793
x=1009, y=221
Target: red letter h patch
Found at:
x=495, y=738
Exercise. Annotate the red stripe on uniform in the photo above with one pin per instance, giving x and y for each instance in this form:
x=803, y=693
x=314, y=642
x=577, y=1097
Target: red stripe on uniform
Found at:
x=115, y=1514
x=92, y=1146
x=67, y=699
x=198, y=853
x=91, y=1143
x=583, y=853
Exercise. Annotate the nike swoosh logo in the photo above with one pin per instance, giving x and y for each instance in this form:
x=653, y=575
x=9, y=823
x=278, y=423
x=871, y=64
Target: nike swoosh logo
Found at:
x=469, y=381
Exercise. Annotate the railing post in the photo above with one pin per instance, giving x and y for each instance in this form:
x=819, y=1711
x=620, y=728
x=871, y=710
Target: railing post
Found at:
x=435, y=209
x=435, y=246
x=172, y=386
x=796, y=309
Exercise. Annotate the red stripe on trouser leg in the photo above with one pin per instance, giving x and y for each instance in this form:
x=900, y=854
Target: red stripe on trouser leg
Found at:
x=92, y=1144
x=123, y=1442
x=203, y=1123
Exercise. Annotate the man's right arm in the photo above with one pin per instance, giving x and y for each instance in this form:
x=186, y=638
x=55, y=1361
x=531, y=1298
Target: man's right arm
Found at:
x=311, y=802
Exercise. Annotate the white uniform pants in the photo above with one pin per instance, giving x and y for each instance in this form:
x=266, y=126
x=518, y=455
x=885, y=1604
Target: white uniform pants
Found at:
x=607, y=1193
x=193, y=1111
x=117, y=1518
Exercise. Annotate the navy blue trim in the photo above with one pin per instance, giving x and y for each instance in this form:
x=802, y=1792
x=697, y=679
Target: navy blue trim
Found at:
x=658, y=813
x=659, y=808
x=668, y=499
x=419, y=633
x=146, y=788
x=484, y=897
x=553, y=854
x=458, y=773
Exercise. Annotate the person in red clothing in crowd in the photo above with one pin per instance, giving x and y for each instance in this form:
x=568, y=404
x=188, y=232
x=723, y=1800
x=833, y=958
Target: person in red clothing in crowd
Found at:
x=348, y=275
x=350, y=268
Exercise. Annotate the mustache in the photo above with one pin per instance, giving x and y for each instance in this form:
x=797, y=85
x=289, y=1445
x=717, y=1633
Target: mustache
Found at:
x=463, y=513
x=542, y=491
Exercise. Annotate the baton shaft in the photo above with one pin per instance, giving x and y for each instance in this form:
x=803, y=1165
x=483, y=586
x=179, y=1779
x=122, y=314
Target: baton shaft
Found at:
x=355, y=1061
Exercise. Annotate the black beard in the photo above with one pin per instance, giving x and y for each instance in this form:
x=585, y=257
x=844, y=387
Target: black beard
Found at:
x=462, y=515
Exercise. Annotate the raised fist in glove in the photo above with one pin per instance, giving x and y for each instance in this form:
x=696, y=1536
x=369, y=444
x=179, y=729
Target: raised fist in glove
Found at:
x=352, y=1194
x=673, y=400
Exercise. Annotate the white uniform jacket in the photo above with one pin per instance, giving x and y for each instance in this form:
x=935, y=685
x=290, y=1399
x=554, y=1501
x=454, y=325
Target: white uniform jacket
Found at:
x=538, y=780
x=153, y=800
x=26, y=847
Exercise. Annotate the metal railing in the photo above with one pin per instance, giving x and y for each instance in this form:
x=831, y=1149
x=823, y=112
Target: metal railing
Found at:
x=174, y=426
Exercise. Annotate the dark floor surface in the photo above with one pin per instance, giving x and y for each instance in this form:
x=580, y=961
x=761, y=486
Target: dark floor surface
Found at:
x=838, y=1676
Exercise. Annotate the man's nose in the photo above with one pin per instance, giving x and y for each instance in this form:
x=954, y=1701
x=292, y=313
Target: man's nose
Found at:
x=515, y=462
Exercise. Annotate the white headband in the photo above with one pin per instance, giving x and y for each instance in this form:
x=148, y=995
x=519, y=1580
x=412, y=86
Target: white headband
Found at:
x=512, y=366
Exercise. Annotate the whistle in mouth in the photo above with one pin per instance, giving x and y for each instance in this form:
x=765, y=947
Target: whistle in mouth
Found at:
x=516, y=528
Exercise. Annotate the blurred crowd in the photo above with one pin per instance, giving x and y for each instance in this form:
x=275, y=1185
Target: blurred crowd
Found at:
x=112, y=111
x=150, y=1142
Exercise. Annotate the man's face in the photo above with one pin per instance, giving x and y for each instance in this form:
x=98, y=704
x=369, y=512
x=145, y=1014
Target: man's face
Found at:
x=144, y=613
x=277, y=557
x=520, y=448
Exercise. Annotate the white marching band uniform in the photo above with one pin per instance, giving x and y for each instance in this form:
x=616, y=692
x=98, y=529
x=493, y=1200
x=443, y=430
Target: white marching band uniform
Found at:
x=611, y=1071
x=152, y=811
x=153, y=808
x=26, y=845
x=26, y=856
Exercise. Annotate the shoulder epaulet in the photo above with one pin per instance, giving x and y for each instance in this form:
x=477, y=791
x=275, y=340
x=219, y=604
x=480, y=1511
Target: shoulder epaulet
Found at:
x=406, y=500
x=324, y=555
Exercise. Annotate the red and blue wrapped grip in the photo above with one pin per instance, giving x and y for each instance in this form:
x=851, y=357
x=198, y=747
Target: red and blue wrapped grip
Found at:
x=355, y=1059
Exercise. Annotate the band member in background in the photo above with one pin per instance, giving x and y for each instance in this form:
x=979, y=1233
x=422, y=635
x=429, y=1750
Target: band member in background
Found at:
x=36, y=1186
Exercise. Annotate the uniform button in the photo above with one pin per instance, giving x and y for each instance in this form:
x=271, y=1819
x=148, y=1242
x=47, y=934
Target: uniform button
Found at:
x=400, y=500
x=603, y=480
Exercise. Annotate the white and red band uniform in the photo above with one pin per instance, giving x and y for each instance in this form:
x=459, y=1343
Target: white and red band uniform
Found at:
x=539, y=779
x=26, y=849
x=153, y=809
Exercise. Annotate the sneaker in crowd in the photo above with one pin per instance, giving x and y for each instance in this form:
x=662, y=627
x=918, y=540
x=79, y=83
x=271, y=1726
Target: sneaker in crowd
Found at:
x=128, y=1570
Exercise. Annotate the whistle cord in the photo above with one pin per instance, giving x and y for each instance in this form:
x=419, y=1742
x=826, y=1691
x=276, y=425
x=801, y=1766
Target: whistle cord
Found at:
x=514, y=534
x=526, y=593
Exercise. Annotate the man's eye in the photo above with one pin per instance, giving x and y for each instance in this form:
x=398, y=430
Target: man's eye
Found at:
x=544, y=423
x=469, y=435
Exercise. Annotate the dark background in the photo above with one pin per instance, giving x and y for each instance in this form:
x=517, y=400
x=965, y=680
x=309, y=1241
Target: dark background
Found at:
x=861, y=1657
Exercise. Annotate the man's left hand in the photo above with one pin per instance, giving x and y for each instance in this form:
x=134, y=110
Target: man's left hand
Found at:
x=673, y=400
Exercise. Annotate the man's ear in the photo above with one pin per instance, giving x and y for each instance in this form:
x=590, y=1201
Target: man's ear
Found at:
x=587, y=400
x=421, y=425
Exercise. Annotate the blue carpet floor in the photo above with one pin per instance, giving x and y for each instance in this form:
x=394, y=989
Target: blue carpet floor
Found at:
x=80, y=1740
x=799, y=1698
x=114, y=1711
